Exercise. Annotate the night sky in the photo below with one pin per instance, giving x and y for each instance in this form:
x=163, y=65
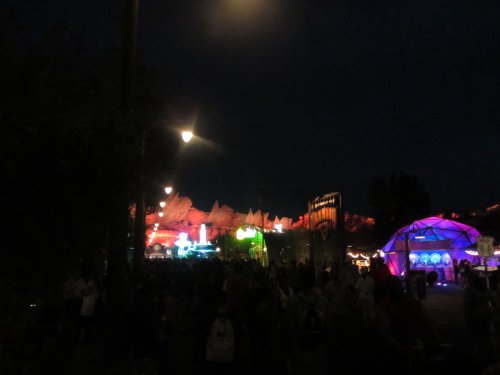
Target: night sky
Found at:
x=303, y=98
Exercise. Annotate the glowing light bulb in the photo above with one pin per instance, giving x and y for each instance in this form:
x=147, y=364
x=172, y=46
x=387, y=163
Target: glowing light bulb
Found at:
x=186, y=136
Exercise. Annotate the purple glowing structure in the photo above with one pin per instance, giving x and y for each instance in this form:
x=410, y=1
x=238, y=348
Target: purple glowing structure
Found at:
x=433, y=243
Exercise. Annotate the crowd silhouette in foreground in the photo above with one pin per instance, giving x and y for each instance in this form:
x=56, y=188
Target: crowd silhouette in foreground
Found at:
x=223, y=317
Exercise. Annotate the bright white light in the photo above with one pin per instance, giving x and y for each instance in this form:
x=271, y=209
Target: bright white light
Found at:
x=203, y=234
x=247, y=233
x=419, y=237
x=168, y=189
x=162, y=204
x=414, y=258
x=278, y=227
x=160, y=214
x=183, y=242
x=435, y=258
x=186, y=136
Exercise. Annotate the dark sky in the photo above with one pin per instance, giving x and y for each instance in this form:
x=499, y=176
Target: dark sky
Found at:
x=308, y=97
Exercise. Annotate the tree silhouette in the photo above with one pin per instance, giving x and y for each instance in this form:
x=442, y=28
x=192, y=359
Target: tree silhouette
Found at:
x=397, y=201
x=68, y=161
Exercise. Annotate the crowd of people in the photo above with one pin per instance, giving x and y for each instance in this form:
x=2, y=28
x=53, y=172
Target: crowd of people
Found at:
x=284, y=317
x=212, y=316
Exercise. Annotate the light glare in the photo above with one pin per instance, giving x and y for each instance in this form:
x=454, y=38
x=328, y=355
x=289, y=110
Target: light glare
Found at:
x=186, y=136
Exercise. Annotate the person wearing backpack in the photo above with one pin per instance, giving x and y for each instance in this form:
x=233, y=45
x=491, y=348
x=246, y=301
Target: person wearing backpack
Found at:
x=220, y=347
x=307, y=315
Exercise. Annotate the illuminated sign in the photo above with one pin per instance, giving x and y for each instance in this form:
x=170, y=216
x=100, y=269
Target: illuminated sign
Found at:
x=247, y=233
x=328, y=200
x=485, y=246
x=323, y=212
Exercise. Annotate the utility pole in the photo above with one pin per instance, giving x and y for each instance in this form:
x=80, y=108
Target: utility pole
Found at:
x=341, y=228
x=117, y=262
x=129, y=47
x=408, y=265
x=311, y=235
x=140, y=215
x=262, y=224
x=129, y=63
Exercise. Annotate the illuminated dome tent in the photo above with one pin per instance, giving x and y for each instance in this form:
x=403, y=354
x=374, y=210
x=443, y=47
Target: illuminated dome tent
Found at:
x=433, y=243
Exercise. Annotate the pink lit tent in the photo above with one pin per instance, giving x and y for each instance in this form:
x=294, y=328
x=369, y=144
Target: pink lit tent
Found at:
x=433, y=243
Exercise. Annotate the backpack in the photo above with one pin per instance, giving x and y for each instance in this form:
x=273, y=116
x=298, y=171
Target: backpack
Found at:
x=220, y=343
x=311, y=325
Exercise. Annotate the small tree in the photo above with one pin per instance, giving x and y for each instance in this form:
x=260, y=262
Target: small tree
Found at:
x=397, y=201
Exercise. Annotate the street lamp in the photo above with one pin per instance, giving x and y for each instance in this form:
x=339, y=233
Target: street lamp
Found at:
x=128, y=68
x=163, y=204
x=168, y=190
x=186, y=136
x=140, y=208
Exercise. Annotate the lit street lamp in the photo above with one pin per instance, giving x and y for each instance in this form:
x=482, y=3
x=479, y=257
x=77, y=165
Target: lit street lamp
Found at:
x=128, y=69
x=186, y=137
x=161, y=213
x=140, y=209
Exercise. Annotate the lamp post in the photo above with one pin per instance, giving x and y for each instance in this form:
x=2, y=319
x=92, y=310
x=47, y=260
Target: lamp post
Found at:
x=128, y=69
x=140, y=207
x=408, y=278
x=129, y=47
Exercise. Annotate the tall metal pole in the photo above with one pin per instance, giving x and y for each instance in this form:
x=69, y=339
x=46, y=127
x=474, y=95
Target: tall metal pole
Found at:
x=341, y=229
x=408, y=265
x=129, y=55
x=140, y=215
x=129, y=47
x=117, y=262
x=311, y=237
x=262, y=224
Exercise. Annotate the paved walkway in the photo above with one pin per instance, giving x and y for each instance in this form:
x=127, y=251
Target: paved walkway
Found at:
x=444, y=303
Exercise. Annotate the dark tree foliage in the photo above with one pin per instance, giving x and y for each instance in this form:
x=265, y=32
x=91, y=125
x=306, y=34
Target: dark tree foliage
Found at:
x=397, y=201
x=68, y=157
x=489, y=224
x=58, y=159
